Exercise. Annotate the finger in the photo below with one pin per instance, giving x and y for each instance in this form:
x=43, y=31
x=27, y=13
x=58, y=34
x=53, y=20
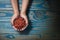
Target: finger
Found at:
x=12, y=22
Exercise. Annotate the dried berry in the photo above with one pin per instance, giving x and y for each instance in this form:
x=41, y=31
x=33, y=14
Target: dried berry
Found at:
x=19, y=23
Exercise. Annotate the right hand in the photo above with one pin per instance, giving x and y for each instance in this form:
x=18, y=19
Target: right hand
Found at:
x=14, y=17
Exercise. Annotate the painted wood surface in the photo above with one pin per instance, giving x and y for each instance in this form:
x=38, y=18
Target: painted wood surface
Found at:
x=40, y=22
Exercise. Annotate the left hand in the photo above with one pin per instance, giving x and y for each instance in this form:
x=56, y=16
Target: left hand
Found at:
x=23, y=15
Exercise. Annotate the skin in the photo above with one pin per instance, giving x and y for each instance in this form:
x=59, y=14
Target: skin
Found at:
x=22, y=13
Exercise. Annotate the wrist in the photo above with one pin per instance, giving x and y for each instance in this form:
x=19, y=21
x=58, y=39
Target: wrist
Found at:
x=16, y=12
x=23, y=13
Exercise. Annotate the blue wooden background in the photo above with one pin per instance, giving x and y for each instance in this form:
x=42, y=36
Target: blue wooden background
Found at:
x=40, y=21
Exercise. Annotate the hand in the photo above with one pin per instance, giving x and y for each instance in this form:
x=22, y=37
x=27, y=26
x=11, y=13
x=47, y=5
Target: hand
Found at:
x=14, y=17
x=23, y=15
